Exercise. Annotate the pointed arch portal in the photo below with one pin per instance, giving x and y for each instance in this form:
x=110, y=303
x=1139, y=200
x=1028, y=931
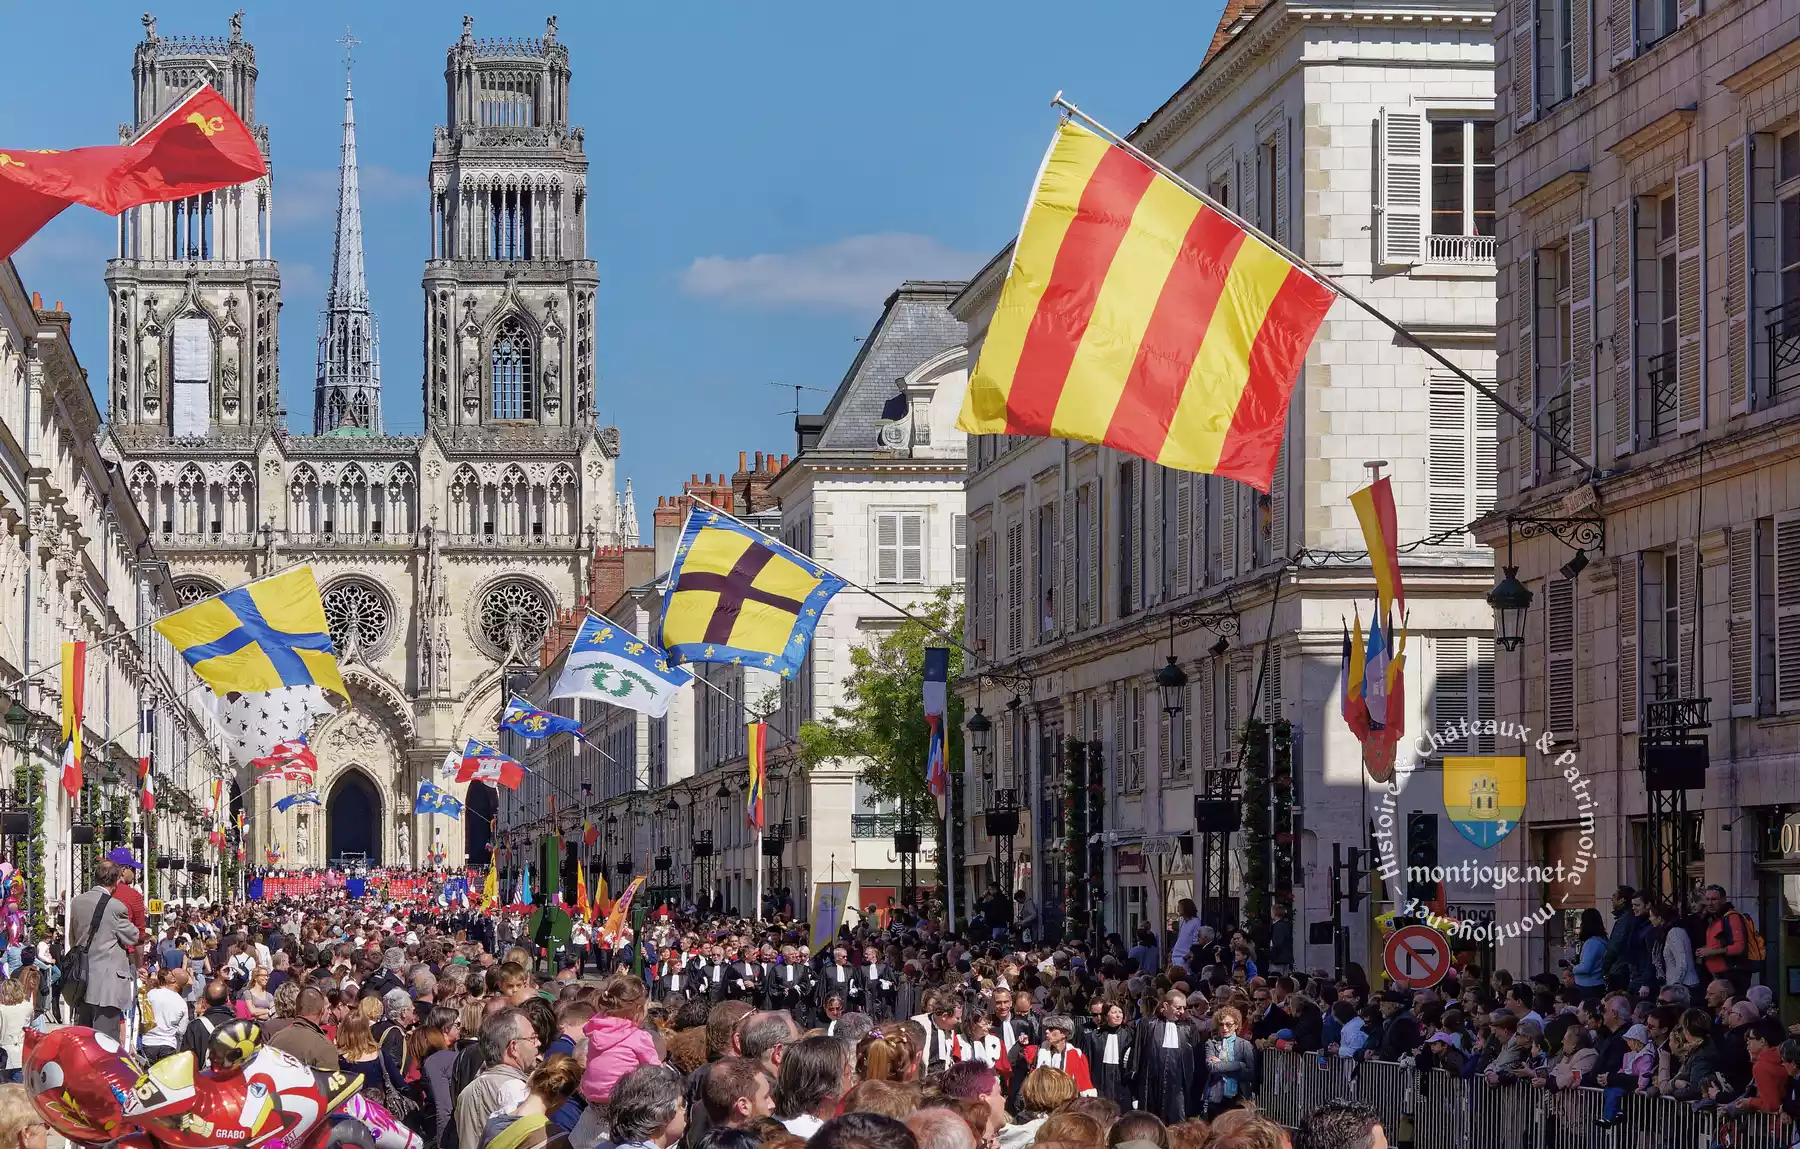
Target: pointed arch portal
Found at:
x=353, y=819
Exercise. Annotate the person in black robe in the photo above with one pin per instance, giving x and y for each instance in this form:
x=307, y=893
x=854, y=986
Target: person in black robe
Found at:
x=1108, y=1049
x=1167, y=1063
x=875, y=980
x=839, y=977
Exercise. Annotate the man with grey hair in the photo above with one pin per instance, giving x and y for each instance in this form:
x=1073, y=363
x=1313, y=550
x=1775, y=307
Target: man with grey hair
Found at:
x=940, y=1128
x=853, y=1027
x=424, y=987
x=764, y=1036
x=509, y=1046
x=647, y=1110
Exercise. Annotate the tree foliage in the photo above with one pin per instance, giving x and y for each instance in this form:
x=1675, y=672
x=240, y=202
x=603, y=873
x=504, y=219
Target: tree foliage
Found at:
x=880, y=724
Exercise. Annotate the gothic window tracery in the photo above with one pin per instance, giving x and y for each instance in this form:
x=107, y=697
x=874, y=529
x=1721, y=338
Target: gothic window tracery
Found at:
x=513, y=614
x=303, y=493
x=191, y=590
x=510, y=368
x=357, y=615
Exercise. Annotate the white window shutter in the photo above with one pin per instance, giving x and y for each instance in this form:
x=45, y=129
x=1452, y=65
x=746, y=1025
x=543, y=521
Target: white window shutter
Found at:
x=1246, y=203
x=1581, y=44
x=1524, y=368
x=1033, y=570
x=989, y=608
x=1153, y=517
x=1400, y=214
x=1622, y=19
x=1739, y=280
x=1687, y=618
x=1283, y=230
x=1624, y=330
x=1271, y=699
x=1559, y=615
x=1690, y=297
x=912, y=548
x=1741, y=592
x=1523, y=58
x=1095, y=513
x=1065, y=614
x=1447, y=461
x=1787, y=612
x=959, y=528
x=1485, y=455
x=1184, y=532
x=1136, y=530
x=1689, y=10
x=1015, y=586
x=1581, y=337
x=1207, y=706
x=1627, y=572
x=1450, y=684
x=1228, y=751
x=1278, y=503
x=887, y=547
x=1482, y=687
x=1228, y=527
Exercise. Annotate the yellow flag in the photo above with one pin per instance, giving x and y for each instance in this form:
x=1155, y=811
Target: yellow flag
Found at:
x=259, y=637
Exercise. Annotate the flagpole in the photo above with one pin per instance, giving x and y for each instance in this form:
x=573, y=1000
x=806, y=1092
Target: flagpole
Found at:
x=1486, y=391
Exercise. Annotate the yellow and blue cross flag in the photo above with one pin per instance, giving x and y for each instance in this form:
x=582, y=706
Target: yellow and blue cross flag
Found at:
x=737, y=596
x=260, y=637
x=527, y=721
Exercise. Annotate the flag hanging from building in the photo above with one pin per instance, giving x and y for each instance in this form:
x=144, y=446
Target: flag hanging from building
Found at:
x=527, y=721
x=936, y=675
x=737, y=596
x=829, y=900
x=753, y=795
x=308, y=798
x=260, y=637
x=1380, y=747
x=291, y=760
x=483, y=763
x=1374, y=506
x=1351, y=706
x=589, y=834
x=199, y=146
x=256, y=723
x=434, y=799
x=608, y=662
x=146, y=748
x=935, y=771
x=74, y=705
x=1137, y=316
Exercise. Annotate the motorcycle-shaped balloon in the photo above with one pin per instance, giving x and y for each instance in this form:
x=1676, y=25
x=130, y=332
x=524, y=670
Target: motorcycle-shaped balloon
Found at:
x=89, y=1089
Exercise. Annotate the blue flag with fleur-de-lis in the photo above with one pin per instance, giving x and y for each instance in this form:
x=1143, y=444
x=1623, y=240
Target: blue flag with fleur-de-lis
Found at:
x=608, y=662
x=527, y=721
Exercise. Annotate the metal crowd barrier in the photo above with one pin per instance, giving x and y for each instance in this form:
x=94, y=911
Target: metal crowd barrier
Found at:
x=1437, y=1110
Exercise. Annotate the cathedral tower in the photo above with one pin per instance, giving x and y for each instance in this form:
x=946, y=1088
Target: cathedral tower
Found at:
x=509, y=290
x=347, y=394
x=194, y=293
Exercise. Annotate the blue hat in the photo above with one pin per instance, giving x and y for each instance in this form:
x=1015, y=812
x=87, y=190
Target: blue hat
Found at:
x=124, y=857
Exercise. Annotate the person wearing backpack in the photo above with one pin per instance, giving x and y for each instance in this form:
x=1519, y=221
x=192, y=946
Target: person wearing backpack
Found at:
x=97, y=977
x=1733, y=947
x=215, y=1011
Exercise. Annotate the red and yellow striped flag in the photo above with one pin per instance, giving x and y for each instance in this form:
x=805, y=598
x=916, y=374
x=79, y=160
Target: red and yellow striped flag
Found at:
x=1136, y=316
x=1374, y=506
x=753, y=795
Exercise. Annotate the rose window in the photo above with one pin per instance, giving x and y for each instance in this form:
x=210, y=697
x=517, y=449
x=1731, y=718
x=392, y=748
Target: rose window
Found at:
x=357, y=616
x=513, y=614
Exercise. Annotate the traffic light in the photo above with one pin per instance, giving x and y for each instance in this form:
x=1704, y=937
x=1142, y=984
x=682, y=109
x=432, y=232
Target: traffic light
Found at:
x=1356, y=869
x=1421, y=856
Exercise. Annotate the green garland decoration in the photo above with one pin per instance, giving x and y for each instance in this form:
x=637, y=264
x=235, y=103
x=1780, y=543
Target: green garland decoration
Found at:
x=1267, y=751
x=28, y=785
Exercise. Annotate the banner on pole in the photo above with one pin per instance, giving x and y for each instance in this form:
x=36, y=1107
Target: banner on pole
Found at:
x=829, y=900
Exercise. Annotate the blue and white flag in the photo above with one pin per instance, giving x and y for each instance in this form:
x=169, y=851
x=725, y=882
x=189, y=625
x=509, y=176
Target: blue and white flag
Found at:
x=434, y=799
x=310, y=798
x=608, y=662
x=527, y=721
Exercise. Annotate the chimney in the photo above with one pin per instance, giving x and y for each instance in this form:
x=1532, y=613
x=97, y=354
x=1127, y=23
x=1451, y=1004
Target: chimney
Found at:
x=606, y=579
x=668, y=518
x=562, y=632
x=750, y=486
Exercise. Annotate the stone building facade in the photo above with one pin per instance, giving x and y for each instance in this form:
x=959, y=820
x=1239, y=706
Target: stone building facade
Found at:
x=1089, y=569
x=1649, y=227
x=442, y=557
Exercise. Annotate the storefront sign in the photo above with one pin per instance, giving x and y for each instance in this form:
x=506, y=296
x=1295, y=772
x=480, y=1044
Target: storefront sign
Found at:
x=1131, y=859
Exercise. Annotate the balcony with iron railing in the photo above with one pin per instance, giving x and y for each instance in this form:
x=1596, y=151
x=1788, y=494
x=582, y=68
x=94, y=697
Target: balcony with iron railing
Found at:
x=1559, y=410
x=1663, y=394
x=1783, y=326
x=1473, y=249
x=874, y=825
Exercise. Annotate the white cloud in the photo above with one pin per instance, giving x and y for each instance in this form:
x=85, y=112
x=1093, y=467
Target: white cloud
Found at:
x=310, y=195
x=853, y=274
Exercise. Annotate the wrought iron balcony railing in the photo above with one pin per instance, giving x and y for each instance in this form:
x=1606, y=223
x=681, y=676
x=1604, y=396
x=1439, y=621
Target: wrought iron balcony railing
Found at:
x=874, y=825
x=1784, y=346
x=1664, y=395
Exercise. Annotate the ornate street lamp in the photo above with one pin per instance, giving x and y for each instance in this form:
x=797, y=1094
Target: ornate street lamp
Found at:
x=1511, y=599
x=979, y=726
x=1172, y=680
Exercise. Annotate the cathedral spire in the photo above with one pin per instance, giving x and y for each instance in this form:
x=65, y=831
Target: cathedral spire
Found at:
x=348, y=392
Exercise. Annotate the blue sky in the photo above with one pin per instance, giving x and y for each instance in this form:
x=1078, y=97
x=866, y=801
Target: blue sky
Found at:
x=762, y=173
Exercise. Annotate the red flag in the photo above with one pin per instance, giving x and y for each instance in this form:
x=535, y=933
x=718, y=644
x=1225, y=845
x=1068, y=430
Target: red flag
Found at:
x=199, y=146
x=149, y=781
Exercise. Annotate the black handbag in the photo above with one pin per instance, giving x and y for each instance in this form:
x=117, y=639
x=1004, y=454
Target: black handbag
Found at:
x=75, y=962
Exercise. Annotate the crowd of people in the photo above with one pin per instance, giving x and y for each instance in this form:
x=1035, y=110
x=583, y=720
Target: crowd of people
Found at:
x=717, y=1032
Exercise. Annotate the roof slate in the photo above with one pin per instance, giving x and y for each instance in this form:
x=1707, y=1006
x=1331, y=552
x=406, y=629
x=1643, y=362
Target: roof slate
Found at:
x=915, y=324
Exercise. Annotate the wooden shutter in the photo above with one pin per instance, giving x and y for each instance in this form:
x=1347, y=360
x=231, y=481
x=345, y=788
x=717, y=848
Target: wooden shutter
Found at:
x=1622, y=19
x=1152, y=564
x=1742, y=594
x=1740, y=289
x=1627, y=571
x=912, y=548
x=1447, y=461
x=1271, y=699
x=887, y=547
x=1121, y=747
x=1278, y=503
x=1689, y=10
x=1482, y=687
x=1015, y=586
x=959, y=547
x=1065, y=614
x=1184, y=532
x=1581, y=44
x=1485, y=455
x=1282, y=232
x=1690, y=298
x=1523, y=58
x=1687, y=617
x=1787, y=612
x=1135, y=529
x=1400, y=212
x=1228, y=527
x=989, y=608
x=1034, y=619
x=1581, y=337
x=1624, y=330
x=1201, y=728
x=1246, y=202
x=1450, y=684
x=1228, y=752
x=1095, y=507
x=1524, y=368
x=1559, y=616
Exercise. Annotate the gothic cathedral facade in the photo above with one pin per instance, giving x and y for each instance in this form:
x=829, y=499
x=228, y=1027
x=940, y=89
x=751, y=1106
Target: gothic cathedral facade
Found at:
x=442, y=556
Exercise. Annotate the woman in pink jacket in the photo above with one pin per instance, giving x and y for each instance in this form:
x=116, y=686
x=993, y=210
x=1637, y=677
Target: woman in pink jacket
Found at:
x=617, y=1041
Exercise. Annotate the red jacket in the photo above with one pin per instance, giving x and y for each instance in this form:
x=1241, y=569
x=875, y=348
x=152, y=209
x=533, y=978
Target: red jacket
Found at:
x=1072, y=1062
x=1732, y=937
x=1770, y=1081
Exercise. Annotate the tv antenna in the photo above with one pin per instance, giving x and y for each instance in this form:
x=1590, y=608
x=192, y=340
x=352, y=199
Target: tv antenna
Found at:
x=798, y=387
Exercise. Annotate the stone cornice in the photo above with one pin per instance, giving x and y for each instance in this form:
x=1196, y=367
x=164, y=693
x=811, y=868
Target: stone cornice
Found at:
x=1768, y=67
x=1664, y=127
x=1544, y=195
